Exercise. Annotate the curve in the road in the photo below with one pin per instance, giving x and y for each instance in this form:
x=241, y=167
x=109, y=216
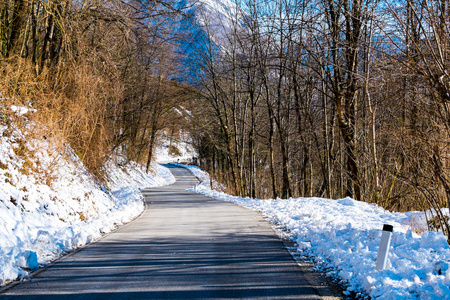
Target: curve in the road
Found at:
x=184, y=246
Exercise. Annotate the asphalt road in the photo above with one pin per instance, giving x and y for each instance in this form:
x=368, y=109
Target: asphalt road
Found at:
x=184, y=246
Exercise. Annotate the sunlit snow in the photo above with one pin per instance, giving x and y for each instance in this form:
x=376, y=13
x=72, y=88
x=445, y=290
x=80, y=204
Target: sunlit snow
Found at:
x=50, y=204
x=342, y=238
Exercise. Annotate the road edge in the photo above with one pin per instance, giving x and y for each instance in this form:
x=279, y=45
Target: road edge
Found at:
x=12, y=283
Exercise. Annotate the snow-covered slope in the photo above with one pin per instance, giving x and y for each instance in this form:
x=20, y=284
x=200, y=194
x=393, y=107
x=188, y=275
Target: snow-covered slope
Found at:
x=205, y=30
x=342, y=237
x=219, y=14
x=177, y=149
x=50, y=204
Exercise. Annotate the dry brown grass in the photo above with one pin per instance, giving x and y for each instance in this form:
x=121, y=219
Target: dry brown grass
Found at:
x=73, y=106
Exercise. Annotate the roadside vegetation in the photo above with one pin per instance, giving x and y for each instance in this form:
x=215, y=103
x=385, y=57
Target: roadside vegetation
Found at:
x=330, y=98
x=97, y=74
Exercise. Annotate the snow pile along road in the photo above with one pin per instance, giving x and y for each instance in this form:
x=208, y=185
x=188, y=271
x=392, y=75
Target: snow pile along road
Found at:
x=50, y=204
x=342, y=237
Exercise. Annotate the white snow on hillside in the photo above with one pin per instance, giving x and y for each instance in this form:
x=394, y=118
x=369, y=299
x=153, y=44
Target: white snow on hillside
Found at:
x=342, y=238
x=218, y=18
x=223, y=8
x=50, y=204
x=219, y=12
x=183, y=146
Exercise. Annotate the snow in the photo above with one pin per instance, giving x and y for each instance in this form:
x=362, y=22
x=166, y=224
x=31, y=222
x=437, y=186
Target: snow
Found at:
x=220, y=16
x=342, y=238
x=218, y=9
x=50, y=204
x=184, y=145
x=21, y=110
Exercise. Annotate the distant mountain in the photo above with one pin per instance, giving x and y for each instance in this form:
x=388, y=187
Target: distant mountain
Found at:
x=218, y=14
x=203, y=30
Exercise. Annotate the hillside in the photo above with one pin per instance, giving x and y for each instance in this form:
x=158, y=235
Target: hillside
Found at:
x=49, y=202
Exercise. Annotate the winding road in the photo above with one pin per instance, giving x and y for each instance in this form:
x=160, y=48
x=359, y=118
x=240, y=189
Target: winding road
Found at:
x=184, y=246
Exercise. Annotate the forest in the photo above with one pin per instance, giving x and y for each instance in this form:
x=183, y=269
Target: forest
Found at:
x=98, y=73
x=330, y=98
x=282, y=98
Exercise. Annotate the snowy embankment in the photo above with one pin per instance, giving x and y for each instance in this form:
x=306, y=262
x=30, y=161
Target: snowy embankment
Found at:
x=342, y=238
x=50, y=204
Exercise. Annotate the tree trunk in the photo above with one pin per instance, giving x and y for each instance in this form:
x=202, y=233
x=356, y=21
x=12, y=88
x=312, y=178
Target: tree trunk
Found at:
x=150, y=150
x=348, y=133
x=19, y=13
x=44, y=50
x=271, y=159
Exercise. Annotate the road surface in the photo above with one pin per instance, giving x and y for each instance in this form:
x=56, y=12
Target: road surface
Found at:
x=184, y=246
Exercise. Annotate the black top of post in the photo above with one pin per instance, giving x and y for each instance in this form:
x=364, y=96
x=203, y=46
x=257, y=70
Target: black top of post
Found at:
x=387, y=227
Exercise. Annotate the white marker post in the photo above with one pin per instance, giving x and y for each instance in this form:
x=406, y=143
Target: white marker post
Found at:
x=383, y=251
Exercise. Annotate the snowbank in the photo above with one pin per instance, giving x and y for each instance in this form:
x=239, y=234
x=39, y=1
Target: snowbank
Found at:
x=342, y=237
x=50, y=204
